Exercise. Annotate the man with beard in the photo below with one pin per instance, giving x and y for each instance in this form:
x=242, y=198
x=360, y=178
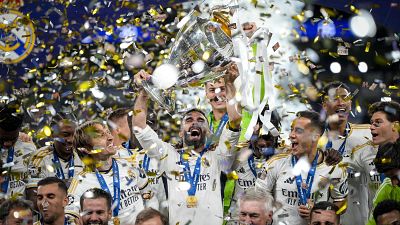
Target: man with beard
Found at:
x=353, y=143
x=51, y=202
x=118, y=177
x=56, y=160
x=300, y=178
x=96, y=207
x=15, y=154
x=194, y=170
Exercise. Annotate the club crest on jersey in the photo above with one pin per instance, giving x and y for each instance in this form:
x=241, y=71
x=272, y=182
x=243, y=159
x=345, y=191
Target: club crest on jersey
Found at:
x=17, y=33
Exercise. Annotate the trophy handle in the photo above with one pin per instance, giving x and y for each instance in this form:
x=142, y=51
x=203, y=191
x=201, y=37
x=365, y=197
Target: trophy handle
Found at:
x=163, y=97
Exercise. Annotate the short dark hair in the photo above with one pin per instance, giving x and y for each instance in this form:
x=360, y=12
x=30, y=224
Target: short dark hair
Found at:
x=150, y=213
x=194, y=110
x=325, y=205
x=391, y=109
x=54, y=180
x=315, y=119
x=95, y=193
x=334, y=84
x=118, y=113
x=388, y=157
x=386, y=206
x=11, y=204
x=115, y=115
x=11, y=116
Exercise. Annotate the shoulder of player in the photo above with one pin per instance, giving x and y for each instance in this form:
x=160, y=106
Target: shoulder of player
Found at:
x=39, y=155
x=28, y=147
x=367, y=144
x=360, y=126
x=77, y=181
x=278, y=158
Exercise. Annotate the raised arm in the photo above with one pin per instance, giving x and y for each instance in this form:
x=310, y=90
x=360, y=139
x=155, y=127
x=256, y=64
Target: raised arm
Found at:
x=140, y=108
x=233, y=109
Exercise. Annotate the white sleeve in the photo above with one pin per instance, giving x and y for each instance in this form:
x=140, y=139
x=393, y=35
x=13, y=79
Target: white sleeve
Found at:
x=154, y=146
x=225, y=149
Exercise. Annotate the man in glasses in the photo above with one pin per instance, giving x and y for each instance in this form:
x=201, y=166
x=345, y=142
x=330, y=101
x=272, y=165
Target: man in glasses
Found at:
x=387, y=213
x=385, y=117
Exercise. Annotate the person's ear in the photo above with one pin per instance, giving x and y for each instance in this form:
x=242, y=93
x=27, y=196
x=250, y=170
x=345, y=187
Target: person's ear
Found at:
x=395, y=126
x=181, y=133
x=65, y=201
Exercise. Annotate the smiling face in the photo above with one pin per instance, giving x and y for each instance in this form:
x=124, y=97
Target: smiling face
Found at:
x=102, y=140
x=215, y=93
x=382, y=130
x=95, y=212
x=303, y=136
x=51, y=201
x=64, y=136
x=254, y=212
x=194, y=129
x=337, y=102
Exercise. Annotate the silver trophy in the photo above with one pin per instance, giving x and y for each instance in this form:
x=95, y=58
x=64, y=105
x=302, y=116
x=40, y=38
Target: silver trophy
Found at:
x=200, y=52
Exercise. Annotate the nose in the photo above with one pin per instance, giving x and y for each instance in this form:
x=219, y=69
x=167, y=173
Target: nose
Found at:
x=93, y=217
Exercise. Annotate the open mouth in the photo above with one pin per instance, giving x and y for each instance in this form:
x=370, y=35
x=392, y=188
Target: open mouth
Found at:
x=341, y=111
x=374, y=135
x=195, y=132
x=294, y=145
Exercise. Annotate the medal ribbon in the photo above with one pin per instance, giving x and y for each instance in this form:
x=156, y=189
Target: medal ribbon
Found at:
x=192, y=179
x=305, y=194
x=221, y=124
x=59, y=170
x=146, y=163
x=126, y=145
x=252, y=165
x=116, y=184
x=343, y=145
x=10, y=158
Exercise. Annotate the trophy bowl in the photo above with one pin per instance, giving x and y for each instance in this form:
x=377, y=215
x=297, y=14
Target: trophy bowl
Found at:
x=200, y=52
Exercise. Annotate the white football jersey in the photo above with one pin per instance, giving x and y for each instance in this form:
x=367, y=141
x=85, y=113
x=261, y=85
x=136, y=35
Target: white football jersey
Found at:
x=42, y=164
x=158, y=200
x=131, y=181
x=19, y=174
x=209, y=208
x=246, y=178
x=280, y=181
x=358, y=156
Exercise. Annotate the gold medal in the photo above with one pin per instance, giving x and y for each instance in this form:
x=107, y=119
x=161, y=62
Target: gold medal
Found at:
x=191, y=201
x=116, y=221
x=304, y=186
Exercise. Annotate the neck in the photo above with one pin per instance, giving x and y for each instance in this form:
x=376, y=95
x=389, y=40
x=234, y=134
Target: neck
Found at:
x=63, y=155
x=393, y=139
x=59, y=221
x=311, y=155
x=338, y=126
x=104, y=164
x=218, y=113
x=199, y=149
